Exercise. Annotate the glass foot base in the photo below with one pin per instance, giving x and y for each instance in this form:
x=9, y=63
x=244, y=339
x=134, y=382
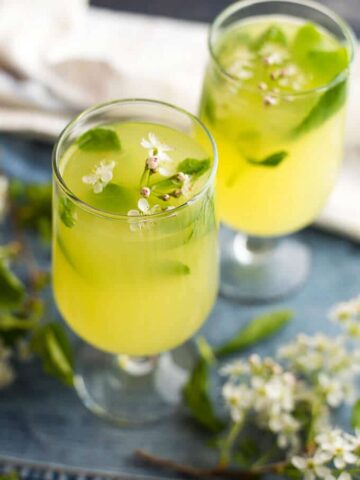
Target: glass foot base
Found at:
x=265, y=272
x=130, y=391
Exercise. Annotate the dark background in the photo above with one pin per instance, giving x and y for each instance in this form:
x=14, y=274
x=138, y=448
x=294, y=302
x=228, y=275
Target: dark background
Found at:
x=206, y=10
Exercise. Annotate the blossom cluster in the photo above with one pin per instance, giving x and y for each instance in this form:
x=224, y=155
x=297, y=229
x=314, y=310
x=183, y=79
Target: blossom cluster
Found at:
x=347, y=315
x=336, y=453
x=326, y=364
x=263, y=387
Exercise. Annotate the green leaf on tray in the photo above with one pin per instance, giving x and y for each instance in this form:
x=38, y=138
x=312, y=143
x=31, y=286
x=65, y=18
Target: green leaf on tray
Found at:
x=272, y=160
x=328, y=104
x=99, y=139
x=51, y=343
x=258, y=329
x=273, y=34
x=9, y=476
x=196, y=391
x=355, y=415
x=12, y=290
x=192, y=166
x=31, y=204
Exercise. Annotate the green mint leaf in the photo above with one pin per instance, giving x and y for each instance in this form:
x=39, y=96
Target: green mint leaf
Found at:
x=328, y=63
x=31, y=204
x=355, y=415
x=258, y=329
x=52, y=345
x=67, y=212
x=99, y=139
x=328, y=104
x=192, y=166
x=206, y=220
x=272, y=160
x=273, y=34
x=307, y=38
x=173, y=267
x=196, y=391
x=10, y=322
x=12, y=290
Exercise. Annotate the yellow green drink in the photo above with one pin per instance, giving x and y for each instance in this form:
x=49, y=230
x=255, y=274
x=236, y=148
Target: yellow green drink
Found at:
x=135, y=234
x=274, y=98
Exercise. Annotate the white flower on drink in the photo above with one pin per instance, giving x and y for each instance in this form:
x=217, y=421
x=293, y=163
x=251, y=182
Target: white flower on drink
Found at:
x=273, y=54
x=144, y=209
x=101, y=176
x=241, y=64
x=313, y=467
x=186, y=186
x=4, y=186
x=158, y=159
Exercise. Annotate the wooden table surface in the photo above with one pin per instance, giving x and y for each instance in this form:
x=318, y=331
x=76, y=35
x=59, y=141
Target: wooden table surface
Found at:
x=205, y=10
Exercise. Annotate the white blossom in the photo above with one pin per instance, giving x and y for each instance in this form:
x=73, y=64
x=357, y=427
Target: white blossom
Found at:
x=100, y=177
x=144, y=209
x=338, y=446
x=158, y=159
x=313, y=467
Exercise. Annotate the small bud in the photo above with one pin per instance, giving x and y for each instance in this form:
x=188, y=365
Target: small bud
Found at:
x=263, y=86
x=165, y=197
x=177, y=193
x=152, y=163
x=275, y=75
x=145, y=192
x=181, y=177
x=270, y=101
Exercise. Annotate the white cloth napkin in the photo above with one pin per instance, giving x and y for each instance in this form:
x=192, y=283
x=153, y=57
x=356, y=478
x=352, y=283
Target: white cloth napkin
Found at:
x=57, y=58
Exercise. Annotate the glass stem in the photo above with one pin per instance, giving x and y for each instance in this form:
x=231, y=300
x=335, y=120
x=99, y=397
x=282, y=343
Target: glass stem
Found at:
x=251, y=250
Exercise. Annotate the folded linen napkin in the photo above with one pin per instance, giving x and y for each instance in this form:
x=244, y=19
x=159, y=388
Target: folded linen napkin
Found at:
x=58, y=58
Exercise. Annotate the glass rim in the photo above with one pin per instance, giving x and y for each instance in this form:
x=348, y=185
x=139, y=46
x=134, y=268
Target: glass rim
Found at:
x=241, y=4
x=117, y=216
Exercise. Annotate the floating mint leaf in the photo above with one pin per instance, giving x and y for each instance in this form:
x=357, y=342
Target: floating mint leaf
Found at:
x=192, y=166
x=99, y=140
x=328, y=63
x=67, y=212
x=328, y=104
x=273, y=34
x=196, y=391
x=272, y=160
x=355, y=415
x=173, y=267
x=307, y=38
x=12, y=290
x=51, y=343
x=256, y=330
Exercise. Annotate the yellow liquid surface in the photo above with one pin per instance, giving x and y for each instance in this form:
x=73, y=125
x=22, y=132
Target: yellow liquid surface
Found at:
x=134, y=292
x=260, y=114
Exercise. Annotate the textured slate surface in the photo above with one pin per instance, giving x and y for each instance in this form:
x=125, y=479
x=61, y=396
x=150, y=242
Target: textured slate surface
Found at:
x=41, y=420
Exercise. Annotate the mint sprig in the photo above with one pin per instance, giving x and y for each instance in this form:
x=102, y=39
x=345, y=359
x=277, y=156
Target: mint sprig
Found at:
x=99, y=139
x=328, y=104
x=12, y=290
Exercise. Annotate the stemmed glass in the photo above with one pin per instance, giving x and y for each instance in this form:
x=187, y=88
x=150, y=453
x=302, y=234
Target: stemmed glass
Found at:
x=280, y=151
x=132, y=286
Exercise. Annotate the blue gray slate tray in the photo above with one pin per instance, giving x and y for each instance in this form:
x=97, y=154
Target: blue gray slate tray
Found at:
x=43, y=422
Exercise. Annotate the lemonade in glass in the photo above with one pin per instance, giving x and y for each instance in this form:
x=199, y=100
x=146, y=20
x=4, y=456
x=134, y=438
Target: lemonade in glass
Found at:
x=135, y=270
x=274, y=98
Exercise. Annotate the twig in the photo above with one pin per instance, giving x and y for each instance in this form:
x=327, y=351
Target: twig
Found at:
x=214, y=472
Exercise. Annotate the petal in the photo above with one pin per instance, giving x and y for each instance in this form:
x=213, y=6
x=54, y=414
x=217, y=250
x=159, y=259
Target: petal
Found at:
x=89, y=179
x=154, y=140
x=98, y=187
x=339, y=463
x=165, y=172
x=143, y=205
x=106, y=176
x=299, y=462
x=146, y=144
x=133, y=213
x=164, y=157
